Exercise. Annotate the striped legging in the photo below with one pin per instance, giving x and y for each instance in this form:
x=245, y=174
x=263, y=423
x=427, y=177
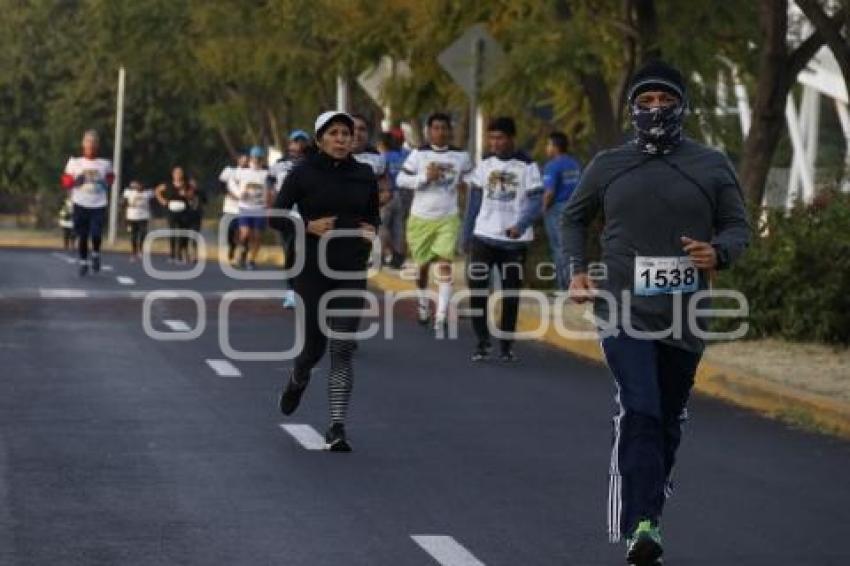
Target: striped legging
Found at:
x=309, y=290
x=341, y=377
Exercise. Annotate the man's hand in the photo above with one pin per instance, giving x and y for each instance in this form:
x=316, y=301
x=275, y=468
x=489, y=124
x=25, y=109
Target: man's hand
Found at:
x=432, y=173
x=581, y=288
x=702, y=254
x=513, y=233
x=319, y=226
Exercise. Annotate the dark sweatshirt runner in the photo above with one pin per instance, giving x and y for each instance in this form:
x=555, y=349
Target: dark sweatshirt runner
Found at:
x=321, y=186
x=648, y=203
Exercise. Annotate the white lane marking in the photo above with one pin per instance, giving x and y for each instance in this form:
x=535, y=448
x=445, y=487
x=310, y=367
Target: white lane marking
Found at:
x=106, y=268
x=224, y=368
x=306, y=436
x=63, y=293
x=125, y=280
x=176, y=325
x=446, y=550
x=64, y=257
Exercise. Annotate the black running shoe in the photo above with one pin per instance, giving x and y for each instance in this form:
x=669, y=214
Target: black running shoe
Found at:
x=84, y=268
x=95, y=263
x=644, y=546
x=507, y=355
x=482, y=351
x=335, y=440
x=423, y=315
x=291, y=396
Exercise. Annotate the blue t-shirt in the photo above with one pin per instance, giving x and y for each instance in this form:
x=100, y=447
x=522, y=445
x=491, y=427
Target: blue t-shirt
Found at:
x=395, y=159
x=560, y=175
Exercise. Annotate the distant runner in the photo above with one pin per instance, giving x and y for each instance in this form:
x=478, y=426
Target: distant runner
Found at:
x=138, y=213
x=296, y=151
x=89, y=178
x=506, y=198
x=254, y=191
x=230, y=204
x=434, y=172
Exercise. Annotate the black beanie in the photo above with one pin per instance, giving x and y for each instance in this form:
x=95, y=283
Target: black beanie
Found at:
x=657, y=75
x=502, y=124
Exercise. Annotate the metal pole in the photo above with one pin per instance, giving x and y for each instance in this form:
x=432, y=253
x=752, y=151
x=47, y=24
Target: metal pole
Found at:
x=475, y=118
x=341, y=93
x=116, y=160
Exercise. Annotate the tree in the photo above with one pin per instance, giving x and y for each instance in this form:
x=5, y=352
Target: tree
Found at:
x=778, y=68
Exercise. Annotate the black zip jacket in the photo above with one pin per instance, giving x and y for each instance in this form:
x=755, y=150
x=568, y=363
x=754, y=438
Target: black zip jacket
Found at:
x=321, y=186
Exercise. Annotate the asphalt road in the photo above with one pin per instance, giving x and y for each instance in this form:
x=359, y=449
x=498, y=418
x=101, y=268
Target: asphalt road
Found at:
x=116, y=448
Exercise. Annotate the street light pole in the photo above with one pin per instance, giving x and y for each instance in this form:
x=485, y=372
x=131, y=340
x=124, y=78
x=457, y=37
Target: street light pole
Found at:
x=116, y=160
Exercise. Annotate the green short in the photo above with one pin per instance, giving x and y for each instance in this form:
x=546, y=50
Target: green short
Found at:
x=429, y=240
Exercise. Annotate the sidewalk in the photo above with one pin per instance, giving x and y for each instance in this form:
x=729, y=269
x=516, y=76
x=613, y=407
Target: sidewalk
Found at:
x=803, y=384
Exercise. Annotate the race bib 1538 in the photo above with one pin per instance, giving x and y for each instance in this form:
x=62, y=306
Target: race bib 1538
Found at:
x=665, y=275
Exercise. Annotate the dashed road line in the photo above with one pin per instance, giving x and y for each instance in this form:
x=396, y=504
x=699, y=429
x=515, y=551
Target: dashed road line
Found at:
x=63, y=293
x=126, y=280
x=176, y=325
x=224, y=368
x=305, y=435
x=446, y=550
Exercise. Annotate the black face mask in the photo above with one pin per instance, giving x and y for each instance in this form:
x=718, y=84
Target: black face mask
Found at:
x=659, y=130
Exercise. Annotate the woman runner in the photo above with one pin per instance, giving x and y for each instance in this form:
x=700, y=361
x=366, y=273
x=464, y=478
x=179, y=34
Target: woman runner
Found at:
x=332, y=191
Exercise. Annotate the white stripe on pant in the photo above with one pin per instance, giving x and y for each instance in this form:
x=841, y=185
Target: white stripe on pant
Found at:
x=615, y=480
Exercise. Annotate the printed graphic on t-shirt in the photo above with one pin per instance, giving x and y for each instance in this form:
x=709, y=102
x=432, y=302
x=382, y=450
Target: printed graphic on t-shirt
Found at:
x=254, y=194
x=502, y=185
x=92, y=182
x=448, y=174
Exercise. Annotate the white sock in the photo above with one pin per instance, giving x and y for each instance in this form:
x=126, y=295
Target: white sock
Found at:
x=444, y=295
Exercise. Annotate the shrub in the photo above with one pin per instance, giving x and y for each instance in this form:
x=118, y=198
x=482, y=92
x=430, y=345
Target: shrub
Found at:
x=796, y=274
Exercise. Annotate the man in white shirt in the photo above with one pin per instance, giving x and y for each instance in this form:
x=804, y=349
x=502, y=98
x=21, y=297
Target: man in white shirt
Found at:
x=254, y=193
x=230, y=205
x=505, y=200
x=89, y=178
x=434, y=172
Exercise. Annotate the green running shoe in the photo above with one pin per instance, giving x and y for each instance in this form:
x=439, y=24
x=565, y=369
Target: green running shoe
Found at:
x=644, y=546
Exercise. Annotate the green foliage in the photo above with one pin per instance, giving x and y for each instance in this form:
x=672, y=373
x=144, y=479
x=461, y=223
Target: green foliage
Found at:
x=796, y=276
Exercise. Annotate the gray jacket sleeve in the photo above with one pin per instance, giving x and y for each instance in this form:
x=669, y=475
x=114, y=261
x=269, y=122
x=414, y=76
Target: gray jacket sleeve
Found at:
x=731, y=224
x=580, y=211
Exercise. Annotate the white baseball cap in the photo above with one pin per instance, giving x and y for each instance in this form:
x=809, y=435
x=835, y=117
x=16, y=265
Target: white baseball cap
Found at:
x=326, y=117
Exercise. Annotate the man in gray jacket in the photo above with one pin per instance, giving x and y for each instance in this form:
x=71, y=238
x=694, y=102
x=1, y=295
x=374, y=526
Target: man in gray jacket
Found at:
x=673, y=213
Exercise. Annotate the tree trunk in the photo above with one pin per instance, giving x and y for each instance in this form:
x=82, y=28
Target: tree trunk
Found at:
x=777, y=71
x=605, y=126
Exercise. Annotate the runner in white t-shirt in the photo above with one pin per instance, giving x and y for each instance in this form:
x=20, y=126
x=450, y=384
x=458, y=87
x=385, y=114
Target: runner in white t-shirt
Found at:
x=137, y=201
x=434, y=172
x=254, y=191
x=231, y=203
x=88, y=178
x=296, y=150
